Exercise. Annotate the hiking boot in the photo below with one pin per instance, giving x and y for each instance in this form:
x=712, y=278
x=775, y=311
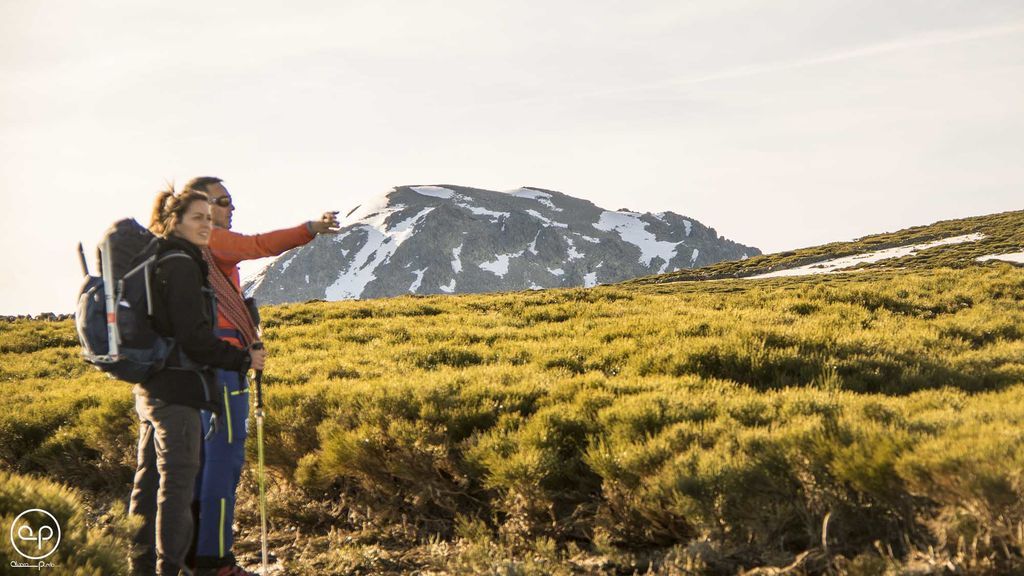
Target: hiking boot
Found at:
x=233, y=570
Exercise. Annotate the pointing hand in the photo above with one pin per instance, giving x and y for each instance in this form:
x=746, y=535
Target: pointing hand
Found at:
x=327, y=224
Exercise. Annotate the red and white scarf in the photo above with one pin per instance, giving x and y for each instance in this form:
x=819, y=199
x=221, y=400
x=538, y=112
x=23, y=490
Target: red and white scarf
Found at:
x=229, y=301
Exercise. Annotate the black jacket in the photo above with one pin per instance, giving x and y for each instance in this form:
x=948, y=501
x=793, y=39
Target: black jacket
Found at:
x=183, y=310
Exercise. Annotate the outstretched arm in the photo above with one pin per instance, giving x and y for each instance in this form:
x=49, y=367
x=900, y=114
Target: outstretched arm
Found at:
x=230, y=248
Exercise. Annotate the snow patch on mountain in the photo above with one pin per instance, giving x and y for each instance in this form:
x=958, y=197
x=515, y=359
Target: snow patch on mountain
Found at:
x=533, y=245
x=590, y=280
x=542, y=197
x=404, y=229
x=374, y=252
x=381, y=242
x=435, y=191
x=372, y=207
x=457, y=199
x=484, y=212
x=449, y=287
x=419, y=280
x=545, y=220
x=573, y=253
x=663, y=215
x=284, y=265
x=457, y=259
x=499, y=266
x=1015, y=257
x=839, y=264
x=634, y=230
x=252, y=283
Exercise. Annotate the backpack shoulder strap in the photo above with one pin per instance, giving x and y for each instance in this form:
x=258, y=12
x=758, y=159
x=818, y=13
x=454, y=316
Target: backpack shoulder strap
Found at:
x=154, y=261
x=172, y=254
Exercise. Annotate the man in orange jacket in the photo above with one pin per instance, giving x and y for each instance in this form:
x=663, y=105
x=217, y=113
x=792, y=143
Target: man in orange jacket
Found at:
x=224, y=449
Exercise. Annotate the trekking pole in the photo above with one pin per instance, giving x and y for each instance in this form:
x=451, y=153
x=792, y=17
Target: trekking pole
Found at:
x=259, y=459
x=109, y=289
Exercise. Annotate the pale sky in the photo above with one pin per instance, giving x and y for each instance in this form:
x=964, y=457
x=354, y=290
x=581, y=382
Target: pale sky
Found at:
x=782, y=124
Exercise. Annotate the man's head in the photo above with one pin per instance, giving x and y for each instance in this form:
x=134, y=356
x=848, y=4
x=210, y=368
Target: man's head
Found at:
x=221, y=205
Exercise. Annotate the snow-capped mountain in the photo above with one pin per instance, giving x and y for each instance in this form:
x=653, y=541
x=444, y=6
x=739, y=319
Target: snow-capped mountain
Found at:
x=452, y=239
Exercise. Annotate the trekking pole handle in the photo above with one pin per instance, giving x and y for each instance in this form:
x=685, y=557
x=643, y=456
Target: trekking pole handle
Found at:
x=259, y=378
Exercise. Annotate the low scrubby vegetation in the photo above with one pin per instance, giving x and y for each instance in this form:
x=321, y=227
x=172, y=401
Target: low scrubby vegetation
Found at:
x=852, y=423
x=86, y=546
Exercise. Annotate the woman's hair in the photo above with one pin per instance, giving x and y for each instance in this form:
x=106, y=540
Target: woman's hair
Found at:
x=169, y=209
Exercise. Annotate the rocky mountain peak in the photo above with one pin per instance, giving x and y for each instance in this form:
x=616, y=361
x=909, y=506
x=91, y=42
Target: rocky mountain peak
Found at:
x=445, y=239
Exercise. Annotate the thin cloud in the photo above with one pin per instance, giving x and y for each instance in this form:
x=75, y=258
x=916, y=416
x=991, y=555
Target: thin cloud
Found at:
x=917, y=41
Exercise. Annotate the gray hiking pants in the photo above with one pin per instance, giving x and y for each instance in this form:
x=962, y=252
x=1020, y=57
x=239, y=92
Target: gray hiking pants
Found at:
x=170, y=436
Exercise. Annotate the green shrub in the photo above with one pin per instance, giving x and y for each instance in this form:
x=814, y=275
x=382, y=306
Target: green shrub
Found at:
x=85, y=547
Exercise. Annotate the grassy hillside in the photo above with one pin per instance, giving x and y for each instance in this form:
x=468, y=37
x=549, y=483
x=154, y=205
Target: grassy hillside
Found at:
x=1004, y=233
x=855, y=423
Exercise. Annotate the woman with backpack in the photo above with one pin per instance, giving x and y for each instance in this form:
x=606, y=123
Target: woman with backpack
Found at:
x=168, y=403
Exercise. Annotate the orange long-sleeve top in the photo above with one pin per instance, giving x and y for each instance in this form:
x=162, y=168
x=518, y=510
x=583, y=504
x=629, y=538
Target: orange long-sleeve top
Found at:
x=229, y=248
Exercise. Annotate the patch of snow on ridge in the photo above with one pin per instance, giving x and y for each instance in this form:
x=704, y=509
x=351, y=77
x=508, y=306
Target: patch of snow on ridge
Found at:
x=448, y=288
x=556, y=271
x=590, y=280
x=376, y=219
x=381, y=242
x=458, y=200
x=572, y=252
x=284, y=265
x=533, y=245
x=372, y=207
x=1015, y=257
x=839, y=264
x=542, y=197
x=254, y=282
x=419, y=280
x=693, y=257
x=483, y=211
x=404, y=229
x=352, y=281
x=457, y=260
x=435, y=191
x=499, y=267
x=545, y=220
x=633, y=230
x=661, y=216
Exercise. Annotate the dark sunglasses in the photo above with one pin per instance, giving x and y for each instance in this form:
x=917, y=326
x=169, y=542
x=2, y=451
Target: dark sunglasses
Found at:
x=223, y=201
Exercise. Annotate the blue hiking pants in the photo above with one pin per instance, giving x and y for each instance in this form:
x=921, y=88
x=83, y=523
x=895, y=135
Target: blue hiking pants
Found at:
x=223, y=456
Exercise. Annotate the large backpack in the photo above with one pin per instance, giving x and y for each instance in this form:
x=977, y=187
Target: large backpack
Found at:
x=114, y=311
